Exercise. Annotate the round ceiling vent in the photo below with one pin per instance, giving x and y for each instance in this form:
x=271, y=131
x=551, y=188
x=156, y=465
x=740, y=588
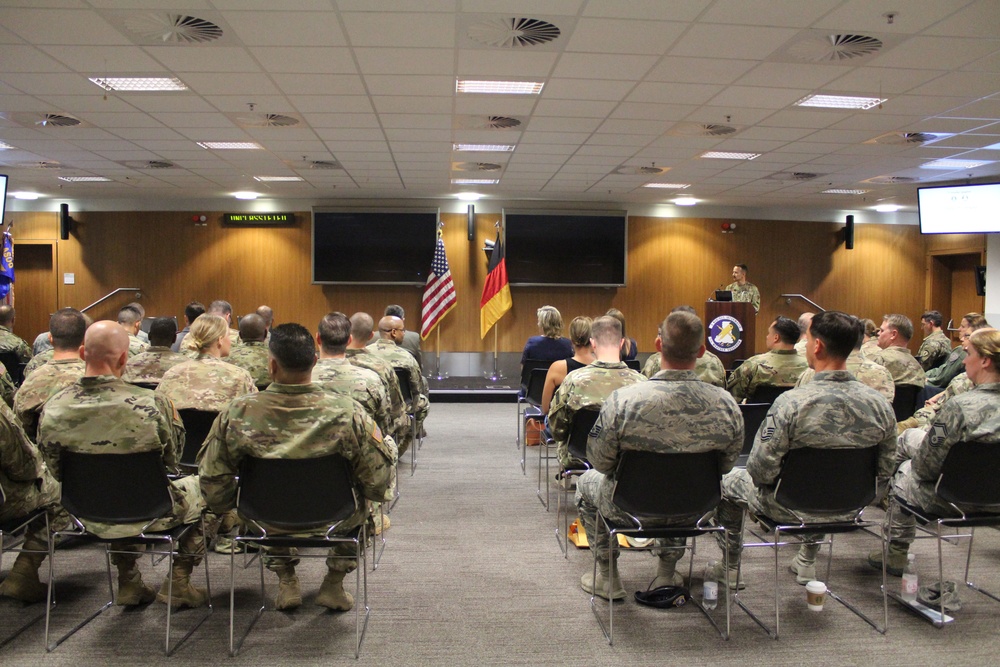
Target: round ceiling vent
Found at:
x=173, y=28
x=640, y=171
x=701, y=130
x=158, y=164
x=57, y=120
x=324, y=164
x=40, y=165
x=475, y=166
x=834, y=48
x=908, y=138
x=513, y=33
x=266, y=120
x=793, y=176
x=488, y=122
x=891, y=180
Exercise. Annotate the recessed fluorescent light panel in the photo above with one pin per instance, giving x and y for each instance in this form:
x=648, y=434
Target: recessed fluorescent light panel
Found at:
x=499, y=87
x=245, y=195
x=841, y=191
x=685, y=201
x=231, y=145
x=475, y=181
x=839, y=102
x=139, y=84
x=4, y=147
x=277, y=179
x=84, y=179
x=668, y=186
x=26, y=195
x=887, y=208
x=953, y=164
x=724, y=155
x=484, y=148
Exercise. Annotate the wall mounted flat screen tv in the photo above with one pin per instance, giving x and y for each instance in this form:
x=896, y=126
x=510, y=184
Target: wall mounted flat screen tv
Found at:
x=959, y=209
x=566, y=247
x=373, y=247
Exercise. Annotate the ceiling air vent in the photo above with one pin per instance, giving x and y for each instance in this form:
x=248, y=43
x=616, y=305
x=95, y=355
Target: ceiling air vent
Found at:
x=57, y=120
x=834, y=48
x=40, y=165
x=890, y=180
x=513, y=33
x=266, y=120
x=158, y=164
x=793, y=176
x=640, y=171
x=324, y=164
x=487, y=122
x=475, y=166
x=908, y=138
x=701, y=130
x=173, y=28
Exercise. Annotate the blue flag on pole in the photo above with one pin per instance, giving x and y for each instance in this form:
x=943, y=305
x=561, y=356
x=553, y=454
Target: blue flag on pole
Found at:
x=6, y=265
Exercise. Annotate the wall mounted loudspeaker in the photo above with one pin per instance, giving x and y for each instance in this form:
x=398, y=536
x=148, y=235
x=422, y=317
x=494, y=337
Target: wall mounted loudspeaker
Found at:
x=65, y=222
x=849, y=233
x=980, y=280
x=472, y=221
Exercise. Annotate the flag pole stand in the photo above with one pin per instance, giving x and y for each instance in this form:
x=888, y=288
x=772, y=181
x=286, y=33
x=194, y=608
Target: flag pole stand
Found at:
x=438, y=375
x=497, y=374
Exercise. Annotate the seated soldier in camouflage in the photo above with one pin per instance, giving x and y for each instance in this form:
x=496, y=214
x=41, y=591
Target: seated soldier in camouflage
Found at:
x=251, y=355
x=100, y=409
x=708, y=368
x=358, y=354
x=148, y=367
x=864, y=371
x=893, y=337
x=66, y=329
x=391, y=330
x=586, y=388
x=780, y=366
x=9, y=341
x=973, y=416
x=833, y=411
x=936, y=346
x=294, y=418
x=130, y=320
x=672, y=412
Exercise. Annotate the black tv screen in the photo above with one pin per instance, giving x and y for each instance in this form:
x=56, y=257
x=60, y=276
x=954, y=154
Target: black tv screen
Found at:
x=959, y=209
x=373, y=247
x=566, y=248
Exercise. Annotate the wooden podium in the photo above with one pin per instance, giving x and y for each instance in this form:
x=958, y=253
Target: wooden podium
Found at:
x=730, y=331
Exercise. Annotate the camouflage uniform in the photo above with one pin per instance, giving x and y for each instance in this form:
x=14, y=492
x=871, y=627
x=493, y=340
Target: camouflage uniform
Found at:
x=11, y=342
x=673, y=412
x=584, y=389
x=747, y=293
x=400, y=358
x=708, y=368
x=296, y=421
x=251, y=356
x=870, y=348
x=50, y=379
x=901, y=364
x=339, y=376
x=104, y=415
x=206, y=383
x=923, y=417
x=149, y=367
x=833, y=411
x=933, y=350
x=970, y=417
x=136, y=346
x=864, y=371
x=949, y=369
x=38, y=361
x=7, y=388
x=779, y=368
x=402, y=432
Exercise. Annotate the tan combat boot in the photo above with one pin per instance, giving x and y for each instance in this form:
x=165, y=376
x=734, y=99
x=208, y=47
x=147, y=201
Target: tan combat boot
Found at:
x=22, y=582
x=803, y=566
x=666, y=571
x=289, y=596
x=897, y=558
x=608, y=584
x=332, y=594
x=132, y=590
x=182, y=593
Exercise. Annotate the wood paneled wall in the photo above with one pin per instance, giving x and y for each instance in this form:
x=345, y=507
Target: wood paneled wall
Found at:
x=671, y=261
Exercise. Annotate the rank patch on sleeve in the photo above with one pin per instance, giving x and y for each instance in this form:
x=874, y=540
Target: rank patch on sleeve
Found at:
x=767, y=428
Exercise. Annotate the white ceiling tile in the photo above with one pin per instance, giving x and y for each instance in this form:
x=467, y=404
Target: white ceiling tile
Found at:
x=240, y=103
x=583, y=89
x=974, y=84
x=864, y=15
x=522, y=7
x=758, y=97
x=123, y=121
x=189, y=120
x=403, y=104
x=224, y=59
x=674, y=93
x=699, y=70
x=651, y=111
x=341, y=120
x=923, y=105
x=25, y=58
x=731, y=41
x=493, y=105
x=399, y=29
x=881, y=81
x=941, y=53
x=554, y=137
x=990, y=63
x=349, y=134
x=804, y=118
x=318, y=84
x=574, y=109
x=987, y=108
x=790, y=75
x=85, y=104
x=604, y=35
x=410, y=85
x=782, y=13
x=652, y=128
x=169, y=102
x=51, y=84
x=314, y=106
x=474, y=63
x=573, y=125
x=305, y=59
x=603, y=66
x=233, y=83
x=60, y=26
x=977, y=20
x=727, y=114
x=404, y=61
x=286, y=28
x=415, y=120
x=105, y=60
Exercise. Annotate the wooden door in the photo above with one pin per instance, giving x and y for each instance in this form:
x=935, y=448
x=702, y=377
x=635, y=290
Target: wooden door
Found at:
x=35, y=297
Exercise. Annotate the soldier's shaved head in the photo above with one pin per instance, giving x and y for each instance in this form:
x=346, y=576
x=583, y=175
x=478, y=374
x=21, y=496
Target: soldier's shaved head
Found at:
x=390, y=327
x=252, y=327
x=6, y=315
x=66, y=328
x=362, y=326
x=162, y=331
x=105, y=348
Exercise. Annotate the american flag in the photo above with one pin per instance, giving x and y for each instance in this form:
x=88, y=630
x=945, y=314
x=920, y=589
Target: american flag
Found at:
x=439, y=293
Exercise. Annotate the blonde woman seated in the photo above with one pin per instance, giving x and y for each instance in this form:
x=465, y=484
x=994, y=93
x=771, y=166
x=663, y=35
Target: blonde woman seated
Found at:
x=583, y=355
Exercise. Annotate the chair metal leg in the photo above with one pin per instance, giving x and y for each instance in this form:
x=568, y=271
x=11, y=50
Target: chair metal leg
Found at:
x=413, y=444
x=50, y=601
x=543, y=453
x=376, y=549
x=361, y=586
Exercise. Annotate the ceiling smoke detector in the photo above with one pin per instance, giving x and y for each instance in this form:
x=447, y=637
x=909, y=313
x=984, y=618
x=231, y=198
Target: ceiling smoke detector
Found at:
x=701, y=130
x=908, y=138
x=640, y=171
x=891, y=180
x=168, y=28
x=513, y=33
x=265, y=120
x=475, y=166
x=834, y=48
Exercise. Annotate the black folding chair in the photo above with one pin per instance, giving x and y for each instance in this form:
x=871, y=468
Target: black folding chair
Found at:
x=753, y=417
x=14, y=366
x=197, y=424
x=118, y=488
x=12, y=534
x=526, y=369
x=904, y=401
x=325, y=498
x=403, y=375
x=766, y=393
x=970, y=478
x=533, y=410
x=633, y=364
x=827, y=482
x=583, y=423
x=657, y=490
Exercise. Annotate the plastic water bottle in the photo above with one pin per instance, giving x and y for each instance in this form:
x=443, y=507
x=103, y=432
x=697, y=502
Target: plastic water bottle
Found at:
x=710, y=587
x=911, y=580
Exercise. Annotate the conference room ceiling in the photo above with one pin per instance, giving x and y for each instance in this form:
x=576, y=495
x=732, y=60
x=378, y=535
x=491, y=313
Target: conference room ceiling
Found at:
x=358, y=99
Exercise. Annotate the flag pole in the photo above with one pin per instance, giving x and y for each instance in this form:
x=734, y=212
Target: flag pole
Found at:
x=438, y=375
x=497, y=374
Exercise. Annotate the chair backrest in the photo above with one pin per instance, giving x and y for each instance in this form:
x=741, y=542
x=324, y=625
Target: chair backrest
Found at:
x=526, y=368
x=197, y=424
x=766, y=393
x=664, y=485
x=296, y=493
x=633, y=364
x=13, y=364
x=536, y=386
x=904, y=401
x=753, y=417
x=115, y=488
x=403, y=375
x=583, y=423
x=970, y=474
x=828, y=480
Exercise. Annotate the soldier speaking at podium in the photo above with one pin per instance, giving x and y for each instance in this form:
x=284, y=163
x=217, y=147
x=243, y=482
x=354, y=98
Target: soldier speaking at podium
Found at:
x=742, y=289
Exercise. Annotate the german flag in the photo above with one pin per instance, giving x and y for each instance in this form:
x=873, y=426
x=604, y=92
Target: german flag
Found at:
x=496, y=292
